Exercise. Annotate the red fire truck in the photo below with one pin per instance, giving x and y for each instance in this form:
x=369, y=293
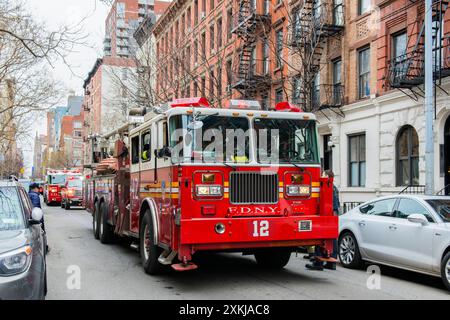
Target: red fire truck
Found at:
x=176, y=201
x=72, y=192
x=56, y=179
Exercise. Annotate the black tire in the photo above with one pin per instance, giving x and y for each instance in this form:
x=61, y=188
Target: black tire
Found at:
x=149, y=260
x=445, y=270
x=95, y=222
x=67, y=206
x=106, y=232
x=348, y=251
x=275, y=258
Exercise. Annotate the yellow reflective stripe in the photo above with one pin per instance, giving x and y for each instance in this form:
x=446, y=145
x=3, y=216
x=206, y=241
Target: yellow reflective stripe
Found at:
x=315, y=195
x=226, y=184
x=315, y=184
x=175, y=184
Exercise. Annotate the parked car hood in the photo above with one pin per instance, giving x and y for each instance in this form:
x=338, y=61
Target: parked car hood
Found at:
x=11, y=240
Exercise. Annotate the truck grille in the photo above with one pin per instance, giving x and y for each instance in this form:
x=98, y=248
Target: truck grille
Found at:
x=253, y=188
x=78, y=193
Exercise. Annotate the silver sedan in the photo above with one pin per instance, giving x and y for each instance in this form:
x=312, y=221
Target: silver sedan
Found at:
x=411, y=232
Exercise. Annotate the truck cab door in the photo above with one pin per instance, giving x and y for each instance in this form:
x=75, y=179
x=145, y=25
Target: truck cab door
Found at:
x=135, y=182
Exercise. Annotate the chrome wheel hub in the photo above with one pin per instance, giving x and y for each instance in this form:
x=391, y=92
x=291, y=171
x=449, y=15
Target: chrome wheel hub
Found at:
x=347, y=249
x=447, y=270
x=147, y=242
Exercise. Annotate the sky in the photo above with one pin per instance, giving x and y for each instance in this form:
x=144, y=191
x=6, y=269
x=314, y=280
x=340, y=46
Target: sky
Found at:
x=55, y=13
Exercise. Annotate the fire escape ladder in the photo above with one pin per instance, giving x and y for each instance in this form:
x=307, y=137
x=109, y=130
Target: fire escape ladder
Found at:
x=250, y=75
x=314, y=25
x=406, y=72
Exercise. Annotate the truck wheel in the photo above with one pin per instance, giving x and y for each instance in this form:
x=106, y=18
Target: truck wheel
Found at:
x=95, y=219
x=348, y=250
x=273, y=258
x=106, y=232
x=149, y=251
x=445, y=270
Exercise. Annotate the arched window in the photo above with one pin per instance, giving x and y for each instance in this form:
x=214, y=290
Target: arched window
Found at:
x=407, y=156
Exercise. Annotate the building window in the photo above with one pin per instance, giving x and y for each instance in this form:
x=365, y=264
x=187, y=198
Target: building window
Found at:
x=364, y=73
x=407, y=157
x=278, y=95
x=219, y=33
x=399, y=46
x=315, y=91
x=357, y=160
x=279, y=47
x=219, y=81
x=265, y=57
x=230, y=23
x=203, y=88
x=195, y=51
x=363, y=6
x=196, y=11
x=203, y=9
x=327, y=152
x=229, y=72
x=266, y=7
x=296, y=90
x=211, y=37
x=203, y=45
x=211, y=84
x=188, y=18
x=337, y=82
x=211, y=5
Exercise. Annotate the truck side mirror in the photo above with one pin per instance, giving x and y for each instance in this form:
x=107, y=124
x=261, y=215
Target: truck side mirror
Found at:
x=165, y=152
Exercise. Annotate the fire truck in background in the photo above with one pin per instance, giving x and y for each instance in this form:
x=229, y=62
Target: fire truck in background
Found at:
x=174, y=204
x=55, y=181
x=72, y=192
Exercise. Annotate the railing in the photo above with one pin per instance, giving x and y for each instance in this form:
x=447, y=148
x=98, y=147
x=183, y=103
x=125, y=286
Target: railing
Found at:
x=256, y=74
x=327, y=96
x=413, y=189
x=350, y=206
x=328, y=16
x=407, y=70
x=444, y=191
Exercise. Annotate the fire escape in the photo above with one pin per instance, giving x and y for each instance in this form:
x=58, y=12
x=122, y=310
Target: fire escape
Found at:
x=406, y=72
x=313, y=26
x=250, y=75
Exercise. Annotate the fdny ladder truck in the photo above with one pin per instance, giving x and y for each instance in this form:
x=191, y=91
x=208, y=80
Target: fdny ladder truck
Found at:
x=176, y=201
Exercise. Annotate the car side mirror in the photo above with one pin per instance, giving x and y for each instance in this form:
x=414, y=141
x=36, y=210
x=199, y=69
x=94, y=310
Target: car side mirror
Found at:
x=418, y=218
x=36, y=216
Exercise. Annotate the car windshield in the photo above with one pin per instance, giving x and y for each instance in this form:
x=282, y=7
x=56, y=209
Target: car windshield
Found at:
x=210, y=138
x=11, y=216
x=442, y=208
x=75, y=183
x=286, y=141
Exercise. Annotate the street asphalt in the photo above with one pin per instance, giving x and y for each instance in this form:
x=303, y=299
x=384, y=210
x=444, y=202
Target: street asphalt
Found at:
x=80, y=267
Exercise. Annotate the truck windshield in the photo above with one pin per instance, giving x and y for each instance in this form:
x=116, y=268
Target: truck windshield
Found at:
x=286, y=141
x=57, y=179
x=75, y=183
x=210, y=138
x=11, y=216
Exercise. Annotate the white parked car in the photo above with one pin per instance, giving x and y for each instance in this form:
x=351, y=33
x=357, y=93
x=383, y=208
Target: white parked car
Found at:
x=406, y=231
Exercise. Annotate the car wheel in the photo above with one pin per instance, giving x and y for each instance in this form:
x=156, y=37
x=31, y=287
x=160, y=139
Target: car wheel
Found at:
x=273, y=258
x=149, y=251
x=106, y=231
x=445, y=270
x=67, y=206
x=62, y=204
x=95, y=219
x=349, y=254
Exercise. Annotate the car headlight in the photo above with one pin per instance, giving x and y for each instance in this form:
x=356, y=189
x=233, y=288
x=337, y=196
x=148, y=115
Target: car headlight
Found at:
x=15, y=262
x=209, y=191
x=298, y=191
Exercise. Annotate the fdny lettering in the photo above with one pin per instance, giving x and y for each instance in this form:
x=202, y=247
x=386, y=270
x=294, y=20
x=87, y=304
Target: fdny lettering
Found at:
x=253, y=210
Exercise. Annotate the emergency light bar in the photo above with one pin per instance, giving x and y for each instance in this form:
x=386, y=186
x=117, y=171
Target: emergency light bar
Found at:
x=190, y=102
x=287, y=107
x=243, y=104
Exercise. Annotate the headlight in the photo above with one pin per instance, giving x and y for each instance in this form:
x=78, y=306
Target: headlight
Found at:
x=15, y=262
x=209, y=191
x=298, y=191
